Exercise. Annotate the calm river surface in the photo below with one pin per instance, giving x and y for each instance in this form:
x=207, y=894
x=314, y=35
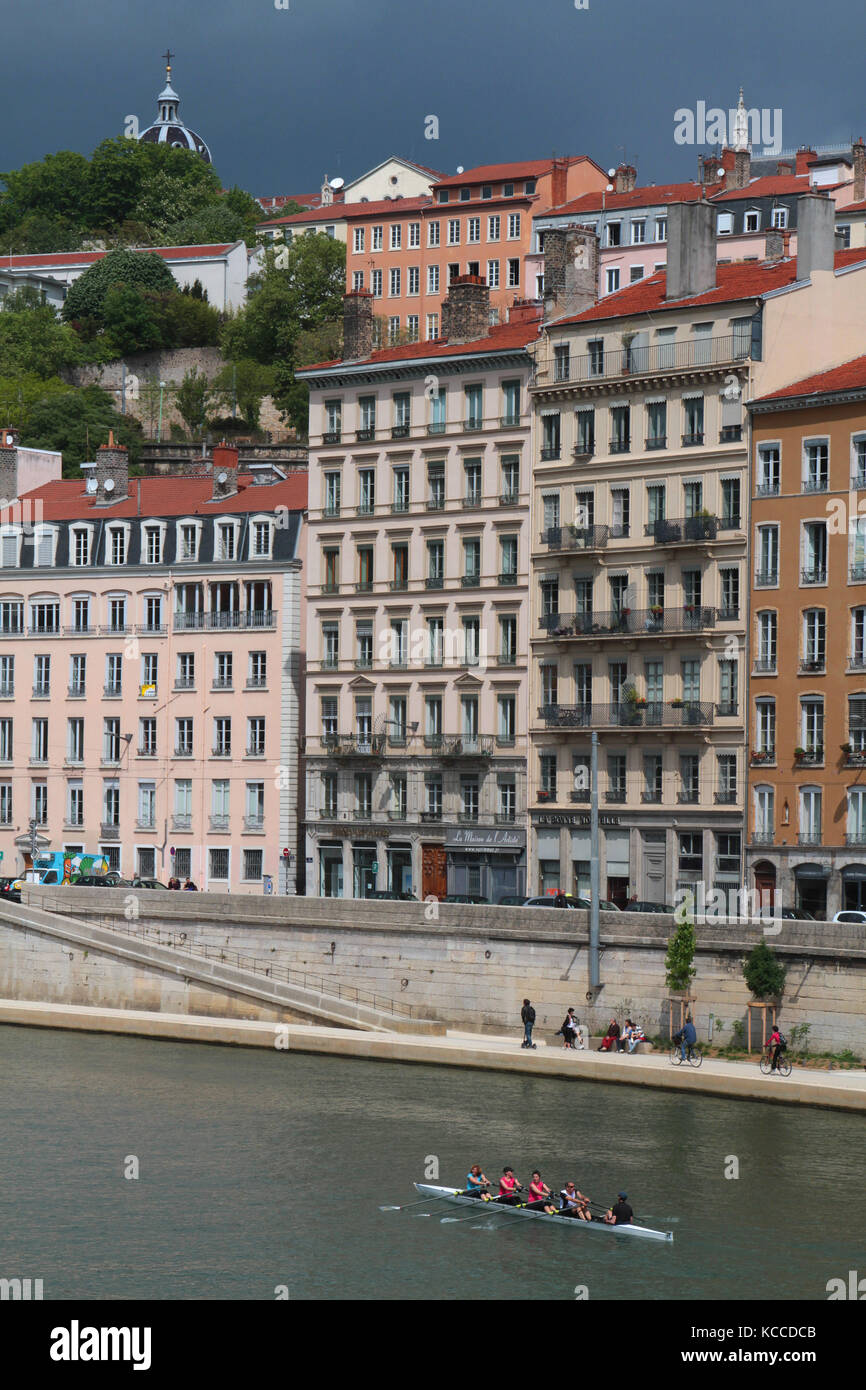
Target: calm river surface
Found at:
x=261, y=1169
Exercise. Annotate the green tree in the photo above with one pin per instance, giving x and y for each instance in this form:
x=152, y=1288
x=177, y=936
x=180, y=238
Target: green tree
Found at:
x=189, y=322
x=679, y=971
x=246, y=383
x=132, y=320
x=21, y=393
x=85, y=301
x=195, y=398
x=77, y=422
x=763, y=972
x=32, y=337
x=55, y=186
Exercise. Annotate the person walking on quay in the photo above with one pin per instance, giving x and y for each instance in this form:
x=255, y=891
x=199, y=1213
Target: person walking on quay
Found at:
x=569, y=1029
x=527, y=1018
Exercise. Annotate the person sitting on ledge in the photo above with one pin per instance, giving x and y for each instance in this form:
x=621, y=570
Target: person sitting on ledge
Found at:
x=610, y=1037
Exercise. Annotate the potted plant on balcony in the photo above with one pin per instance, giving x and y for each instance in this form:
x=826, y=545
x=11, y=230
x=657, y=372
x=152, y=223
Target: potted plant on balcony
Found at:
x=800, y=754
x=758, y=756
x=640, y=702
x=657, y=610
x=677, y=703
x=545, y=795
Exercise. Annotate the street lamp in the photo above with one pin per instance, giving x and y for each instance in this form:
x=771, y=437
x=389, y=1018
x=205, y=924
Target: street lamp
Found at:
x=159, y=425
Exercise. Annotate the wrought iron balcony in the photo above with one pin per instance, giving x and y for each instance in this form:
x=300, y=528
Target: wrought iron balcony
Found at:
x=855, y=837
x=769, y=489
x=730, y=434
x=508, y=578
x=630, y=622
x=656, y=359
x=364, y=435
x=809, y=837
x=109, y=830
x=763, y=837
x=858, y=480
x=764, y=666
x=691, y=441
x=814, y=574
x=683, y=530
x=676, y=714
x=726, y=798
x=579, y=537
x=657, y=441
x=815, y=484
x=181, y=822
x=332, y=436
x=766, y=578
x=815, y=664
x=400, y=431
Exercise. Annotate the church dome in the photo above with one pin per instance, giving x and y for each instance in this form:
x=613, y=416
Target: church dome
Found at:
x=169, y=129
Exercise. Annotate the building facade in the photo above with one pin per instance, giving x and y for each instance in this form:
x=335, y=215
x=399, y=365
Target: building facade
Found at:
x=807, y=774
x=417, y=602
x=150, y=671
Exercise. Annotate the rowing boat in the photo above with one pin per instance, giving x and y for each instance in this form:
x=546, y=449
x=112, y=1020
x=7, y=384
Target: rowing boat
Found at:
x=449, y=1194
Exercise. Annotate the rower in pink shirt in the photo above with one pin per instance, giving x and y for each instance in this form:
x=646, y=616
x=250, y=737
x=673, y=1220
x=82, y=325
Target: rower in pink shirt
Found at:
x=509, y=1187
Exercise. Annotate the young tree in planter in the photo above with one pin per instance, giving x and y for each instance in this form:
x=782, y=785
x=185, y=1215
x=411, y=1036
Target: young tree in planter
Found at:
x=763, y=973
x=679, y=971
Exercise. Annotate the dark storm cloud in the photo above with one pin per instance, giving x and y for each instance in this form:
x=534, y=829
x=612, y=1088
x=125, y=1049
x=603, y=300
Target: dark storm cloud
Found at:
x=334, y=86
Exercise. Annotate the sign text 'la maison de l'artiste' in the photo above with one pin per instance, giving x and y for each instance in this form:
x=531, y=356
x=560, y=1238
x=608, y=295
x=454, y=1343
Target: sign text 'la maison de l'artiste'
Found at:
x=486, y=839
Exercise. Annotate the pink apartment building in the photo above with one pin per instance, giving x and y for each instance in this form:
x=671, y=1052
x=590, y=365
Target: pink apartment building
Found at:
x=151, y=669
x=417, y=633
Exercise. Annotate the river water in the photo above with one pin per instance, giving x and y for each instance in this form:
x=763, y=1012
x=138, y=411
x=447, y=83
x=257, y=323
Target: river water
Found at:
x=259, y=1170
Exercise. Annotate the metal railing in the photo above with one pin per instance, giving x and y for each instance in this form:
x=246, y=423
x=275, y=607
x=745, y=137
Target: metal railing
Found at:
x=377, y=745
x=686, y=529
x=648, y=715
x=655, y=358
x=216, y=622
x=630, y=622
x=580, y=537
x=178, y=941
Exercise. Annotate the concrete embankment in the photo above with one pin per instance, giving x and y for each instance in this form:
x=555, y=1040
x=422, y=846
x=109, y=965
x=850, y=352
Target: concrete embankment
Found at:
x=731, y=1080
x=468, y=967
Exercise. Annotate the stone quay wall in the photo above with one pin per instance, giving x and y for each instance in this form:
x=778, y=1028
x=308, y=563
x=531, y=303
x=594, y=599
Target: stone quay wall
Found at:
x=471, y=967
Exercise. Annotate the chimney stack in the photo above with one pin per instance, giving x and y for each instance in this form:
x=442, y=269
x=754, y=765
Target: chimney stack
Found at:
x=805, y=157
x=357, y=325
x=691, y=265
x=625, y=178
x=224, y=471
x=558, y=183
x=710, y=166
x=858, y=154
x=110, y=473
x=8, y=465
x=777, y=244
x=816, y=234
x=742, y=171
x=570, y=270
x=466, y=311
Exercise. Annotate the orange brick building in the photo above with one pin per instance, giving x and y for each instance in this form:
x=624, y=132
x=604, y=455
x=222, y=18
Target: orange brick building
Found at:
x=807, y=774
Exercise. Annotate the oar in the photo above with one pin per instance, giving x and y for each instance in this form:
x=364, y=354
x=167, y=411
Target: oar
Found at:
x=456, y=1220
x=427, y=1200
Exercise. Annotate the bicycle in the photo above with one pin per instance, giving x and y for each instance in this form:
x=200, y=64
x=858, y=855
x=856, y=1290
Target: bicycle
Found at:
x=694, y=1056
x=784, y=1067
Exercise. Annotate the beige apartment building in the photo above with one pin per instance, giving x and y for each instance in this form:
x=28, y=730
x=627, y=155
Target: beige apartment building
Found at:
x=417, y=606
x=640, y=524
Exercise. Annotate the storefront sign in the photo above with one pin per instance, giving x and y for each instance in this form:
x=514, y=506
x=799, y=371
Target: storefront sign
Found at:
x=571, y=818
x=487, y=839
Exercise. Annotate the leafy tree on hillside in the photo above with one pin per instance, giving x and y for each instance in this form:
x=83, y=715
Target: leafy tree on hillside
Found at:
x=246, y=383
x=33, y=338
x=77, y=422
x=20, y=394
x=194, y=399
x=56, y=187
x=85, y=301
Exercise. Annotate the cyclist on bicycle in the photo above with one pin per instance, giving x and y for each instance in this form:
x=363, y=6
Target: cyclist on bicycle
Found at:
x=687, y=1037
x=778, y=1043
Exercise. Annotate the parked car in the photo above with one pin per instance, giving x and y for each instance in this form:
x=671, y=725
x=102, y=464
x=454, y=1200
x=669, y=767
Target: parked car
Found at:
x=149, y=883
x=10, y=888
x=850, y=914
x=647, y=907
x=464, y=898
x=799, y=914
x=389, y=895
x=511, y=900
x=110, y=880
x=568, y=900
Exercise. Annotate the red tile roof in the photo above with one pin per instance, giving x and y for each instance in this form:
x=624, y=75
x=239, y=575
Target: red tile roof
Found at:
x=502, y=338
x=736, y=280
x=850, y=376
x=347, y=212
x=496, y=173
x=71, y=258
x=772, y=184
x=654, y=194
x=66, y=499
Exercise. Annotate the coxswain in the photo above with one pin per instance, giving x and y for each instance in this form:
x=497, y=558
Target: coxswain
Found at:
x=477, y=1183
x=540, y=1195
x=509, y=1188
x=620, y=1214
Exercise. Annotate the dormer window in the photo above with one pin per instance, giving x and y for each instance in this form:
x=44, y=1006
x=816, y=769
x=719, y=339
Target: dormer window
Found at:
x=260, y=540
x=115, y=545
x=752, y=220
x=725, y=223
x=187, y=541
x=79, y=547
x=152, y=547
x=10, y=547
x=226, y=540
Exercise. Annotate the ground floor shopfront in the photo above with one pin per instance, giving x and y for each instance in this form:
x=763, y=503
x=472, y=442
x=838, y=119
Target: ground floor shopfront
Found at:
x=640, y=855
x=424, y=862
x=821, y=880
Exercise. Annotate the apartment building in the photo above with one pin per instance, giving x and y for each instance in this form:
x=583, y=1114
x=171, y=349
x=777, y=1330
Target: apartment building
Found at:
x=417, y=605
x=150, y=669
x=807, y=774
x=638, y=583
x=407, y=251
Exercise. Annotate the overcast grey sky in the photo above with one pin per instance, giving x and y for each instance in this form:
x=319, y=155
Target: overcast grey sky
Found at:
x=333, y=86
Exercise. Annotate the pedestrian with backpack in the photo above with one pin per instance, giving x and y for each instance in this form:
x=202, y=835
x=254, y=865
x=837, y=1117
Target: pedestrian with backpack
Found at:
x=527, y=1018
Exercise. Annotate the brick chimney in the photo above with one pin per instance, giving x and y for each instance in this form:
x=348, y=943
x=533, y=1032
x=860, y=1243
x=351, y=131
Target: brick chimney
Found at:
x=558, y=183
x=777, y=244
x=570, y=270
x=727, y=160
x=8, y=465
x=625, y=178
x=357, y=325
x=110, y=473
x=805, y=157
x=691, y=266
x=858, y=158
x=816, y=233
x=224, y=471
x=710, y=166
x=742, y=171
x=784, y=166
x=466, y=311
